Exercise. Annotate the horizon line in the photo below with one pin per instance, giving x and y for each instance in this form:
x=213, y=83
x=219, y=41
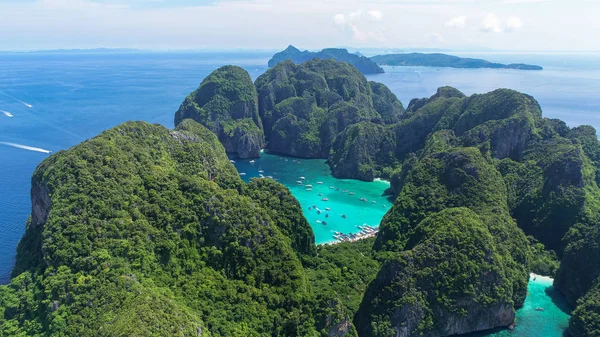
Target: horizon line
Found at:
x=399, y=49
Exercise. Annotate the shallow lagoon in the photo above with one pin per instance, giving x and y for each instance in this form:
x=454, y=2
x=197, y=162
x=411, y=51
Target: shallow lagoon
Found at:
x=289, y=171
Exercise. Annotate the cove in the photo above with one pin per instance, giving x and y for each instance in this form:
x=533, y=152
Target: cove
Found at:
x=343, y=195
x=553, y=321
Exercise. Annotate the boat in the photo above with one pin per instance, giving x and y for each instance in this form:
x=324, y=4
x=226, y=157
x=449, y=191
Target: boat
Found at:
x=344, y=191
x=327, y=215
x=374, y=201
x=319, y=211
x=324, y=223
x=539, y=309
x=325, y=199
x=318, y=221
x=344, y=216
x=327, y=209
x=260, y=175
x=252, y=161
x=308, y=186
x=331, y=187
x=242, y=174
x=384, y=206
x=270, y=177
x=319, y=183
x=320, y=194
x=309, y=208
x=309, y=189
x=351, y=193
x=302, y=178
x=363, y=199
x=261, y=171
x=299, y=182
x=232, y=161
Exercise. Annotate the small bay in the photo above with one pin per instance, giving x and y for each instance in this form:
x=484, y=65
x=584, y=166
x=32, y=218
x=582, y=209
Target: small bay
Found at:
x=545, y=313
x=343, y=195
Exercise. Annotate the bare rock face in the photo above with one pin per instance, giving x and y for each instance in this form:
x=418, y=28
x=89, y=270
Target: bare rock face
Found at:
x=40, y=202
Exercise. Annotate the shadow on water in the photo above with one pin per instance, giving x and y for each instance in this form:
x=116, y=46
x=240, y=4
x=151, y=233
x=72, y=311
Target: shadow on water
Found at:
x=558, y=299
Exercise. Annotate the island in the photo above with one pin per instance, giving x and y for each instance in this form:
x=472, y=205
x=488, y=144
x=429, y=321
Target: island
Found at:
x=362, y=63
x=444, y=60
x=149, y=231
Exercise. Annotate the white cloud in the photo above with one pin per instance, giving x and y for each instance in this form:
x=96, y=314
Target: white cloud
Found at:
x=375, y=14
x=355, y=15
x=437, y=37
x=457, y=22
x=513, y=23
x=491, y=23
x=339, y=19
x=363, y=28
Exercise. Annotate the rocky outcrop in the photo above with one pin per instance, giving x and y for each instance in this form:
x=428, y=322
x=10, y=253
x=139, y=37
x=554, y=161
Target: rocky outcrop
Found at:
x=585, y=321
x=428, y=290
x=227, y=103
x=304, y=107
x=386, y=103
x=580, y=265
x=503, y=117
x=356, y=148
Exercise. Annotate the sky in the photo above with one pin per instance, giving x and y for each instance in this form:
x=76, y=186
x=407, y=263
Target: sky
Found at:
x=510, y=25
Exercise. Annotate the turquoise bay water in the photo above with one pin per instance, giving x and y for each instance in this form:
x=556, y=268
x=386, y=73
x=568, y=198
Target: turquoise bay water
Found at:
x=288, y=171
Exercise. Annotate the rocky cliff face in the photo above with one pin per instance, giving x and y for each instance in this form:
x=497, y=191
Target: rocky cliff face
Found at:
x=386, y=103
x=580, y=265
x=226, y=102
x=585, y=321
x=355, y=149
x=40, y=202
x=504, y=117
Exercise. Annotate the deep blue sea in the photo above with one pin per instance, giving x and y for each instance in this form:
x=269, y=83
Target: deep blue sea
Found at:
x=57, y=100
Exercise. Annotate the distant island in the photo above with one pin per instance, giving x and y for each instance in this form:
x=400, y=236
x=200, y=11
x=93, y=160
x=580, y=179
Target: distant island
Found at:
x=445, y=60
x=362, y=63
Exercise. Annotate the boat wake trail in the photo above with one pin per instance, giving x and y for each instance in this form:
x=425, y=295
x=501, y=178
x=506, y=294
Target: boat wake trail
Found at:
x=16, y=99
x=6, y=113
x=25, y=147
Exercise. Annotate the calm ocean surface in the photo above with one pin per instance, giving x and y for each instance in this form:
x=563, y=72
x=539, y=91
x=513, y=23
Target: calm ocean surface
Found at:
x=59, y=100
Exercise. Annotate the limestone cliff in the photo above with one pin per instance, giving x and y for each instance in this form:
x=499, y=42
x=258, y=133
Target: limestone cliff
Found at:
x=226, y=102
